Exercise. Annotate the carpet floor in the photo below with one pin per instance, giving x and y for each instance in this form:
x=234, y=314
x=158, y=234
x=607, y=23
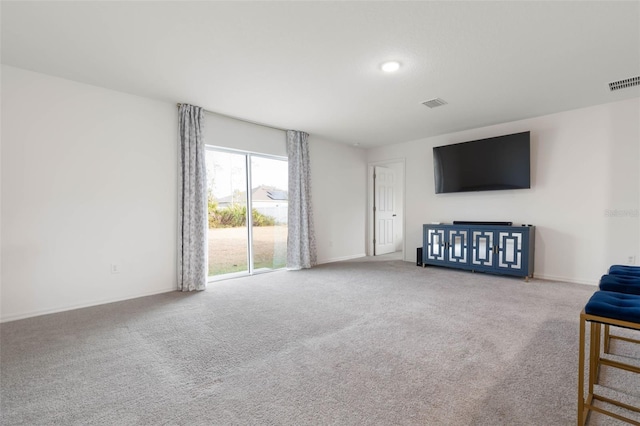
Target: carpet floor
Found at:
x=347, y=343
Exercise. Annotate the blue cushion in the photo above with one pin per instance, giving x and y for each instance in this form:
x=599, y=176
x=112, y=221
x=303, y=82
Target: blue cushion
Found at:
x=620, y=283
x=620, y=306
x=625, y=270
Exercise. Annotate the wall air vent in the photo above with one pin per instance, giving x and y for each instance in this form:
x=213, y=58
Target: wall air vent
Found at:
x=435, y=102
x=623, y=84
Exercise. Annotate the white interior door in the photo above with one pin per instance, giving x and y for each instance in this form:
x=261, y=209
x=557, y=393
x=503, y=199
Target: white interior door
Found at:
x=384, y=210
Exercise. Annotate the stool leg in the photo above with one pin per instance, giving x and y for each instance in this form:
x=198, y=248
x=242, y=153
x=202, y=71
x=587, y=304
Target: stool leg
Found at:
x=581, y=416
x=594, y=349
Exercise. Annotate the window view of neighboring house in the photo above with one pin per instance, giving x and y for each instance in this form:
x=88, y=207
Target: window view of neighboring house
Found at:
x=267, y=200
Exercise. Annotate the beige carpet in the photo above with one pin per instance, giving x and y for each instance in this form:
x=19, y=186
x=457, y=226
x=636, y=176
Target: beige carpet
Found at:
x=348, y=343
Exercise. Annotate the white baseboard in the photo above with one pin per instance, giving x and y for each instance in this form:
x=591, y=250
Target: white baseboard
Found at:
x=338, y=259
x=564, y=279
x=15, y=317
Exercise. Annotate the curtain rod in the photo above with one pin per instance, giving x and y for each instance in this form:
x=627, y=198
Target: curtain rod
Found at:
x=239, y=119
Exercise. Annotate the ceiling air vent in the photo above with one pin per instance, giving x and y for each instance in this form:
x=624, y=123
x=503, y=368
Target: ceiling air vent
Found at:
x=435, y=102
x=623, y=84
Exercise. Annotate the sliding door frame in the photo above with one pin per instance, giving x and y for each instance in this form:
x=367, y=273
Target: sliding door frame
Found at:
x=248, y=155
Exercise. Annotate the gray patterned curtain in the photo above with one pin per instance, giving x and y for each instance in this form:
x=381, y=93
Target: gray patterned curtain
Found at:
x=301, y=241
x=192, y=199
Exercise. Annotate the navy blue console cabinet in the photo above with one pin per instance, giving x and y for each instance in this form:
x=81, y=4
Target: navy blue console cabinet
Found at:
x=505, y=250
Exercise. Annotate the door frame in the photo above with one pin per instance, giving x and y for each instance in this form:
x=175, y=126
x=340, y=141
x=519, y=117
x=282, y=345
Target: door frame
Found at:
x=370, y=197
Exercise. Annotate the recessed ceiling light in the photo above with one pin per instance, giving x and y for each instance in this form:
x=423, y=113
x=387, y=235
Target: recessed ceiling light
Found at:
x=391, y=66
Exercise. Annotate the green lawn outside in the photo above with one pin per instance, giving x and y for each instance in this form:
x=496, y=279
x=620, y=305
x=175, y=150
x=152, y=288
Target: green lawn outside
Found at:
x=228, y=249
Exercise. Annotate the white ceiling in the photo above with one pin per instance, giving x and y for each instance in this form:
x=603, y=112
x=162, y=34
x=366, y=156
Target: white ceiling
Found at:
x=314, y=66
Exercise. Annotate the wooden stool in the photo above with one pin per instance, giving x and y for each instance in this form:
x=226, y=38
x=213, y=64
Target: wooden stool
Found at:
x=604, y=308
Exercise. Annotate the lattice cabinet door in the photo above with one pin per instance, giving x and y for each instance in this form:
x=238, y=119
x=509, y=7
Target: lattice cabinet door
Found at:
x=458, y=246
x=509, y=250
x=482, y=249
x=435, y=244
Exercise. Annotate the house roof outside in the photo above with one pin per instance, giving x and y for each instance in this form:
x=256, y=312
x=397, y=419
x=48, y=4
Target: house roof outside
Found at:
x=262, y=193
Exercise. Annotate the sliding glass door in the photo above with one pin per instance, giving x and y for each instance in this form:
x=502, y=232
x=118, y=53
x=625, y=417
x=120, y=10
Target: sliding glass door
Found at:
x=227, y=204
x=269, y=202
x=240, y=243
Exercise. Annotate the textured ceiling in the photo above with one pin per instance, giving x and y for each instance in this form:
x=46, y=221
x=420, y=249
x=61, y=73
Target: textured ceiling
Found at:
x=314, y=66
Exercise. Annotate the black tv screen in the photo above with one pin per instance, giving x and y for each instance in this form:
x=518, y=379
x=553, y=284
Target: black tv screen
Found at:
x=498, y=163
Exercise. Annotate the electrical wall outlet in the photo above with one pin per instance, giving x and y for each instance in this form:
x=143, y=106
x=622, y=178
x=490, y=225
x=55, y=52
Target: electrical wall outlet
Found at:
x=631, y=260
x=115, y=268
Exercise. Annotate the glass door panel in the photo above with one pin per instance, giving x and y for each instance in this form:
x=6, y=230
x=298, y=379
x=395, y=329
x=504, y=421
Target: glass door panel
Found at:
x=435, y=244
x=269, y=202
x=227, y=205
x=482, y=252
x=510, y=250
x=458, y=246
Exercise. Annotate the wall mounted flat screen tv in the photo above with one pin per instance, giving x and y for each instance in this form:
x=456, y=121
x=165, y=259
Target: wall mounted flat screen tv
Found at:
x=498, y=163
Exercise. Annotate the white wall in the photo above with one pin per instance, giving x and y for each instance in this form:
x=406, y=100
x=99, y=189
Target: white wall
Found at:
x=338, y=183
x=230, y=133
x=398, y=201
x=1, y=186
x=584, y=197
x=89, y=178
